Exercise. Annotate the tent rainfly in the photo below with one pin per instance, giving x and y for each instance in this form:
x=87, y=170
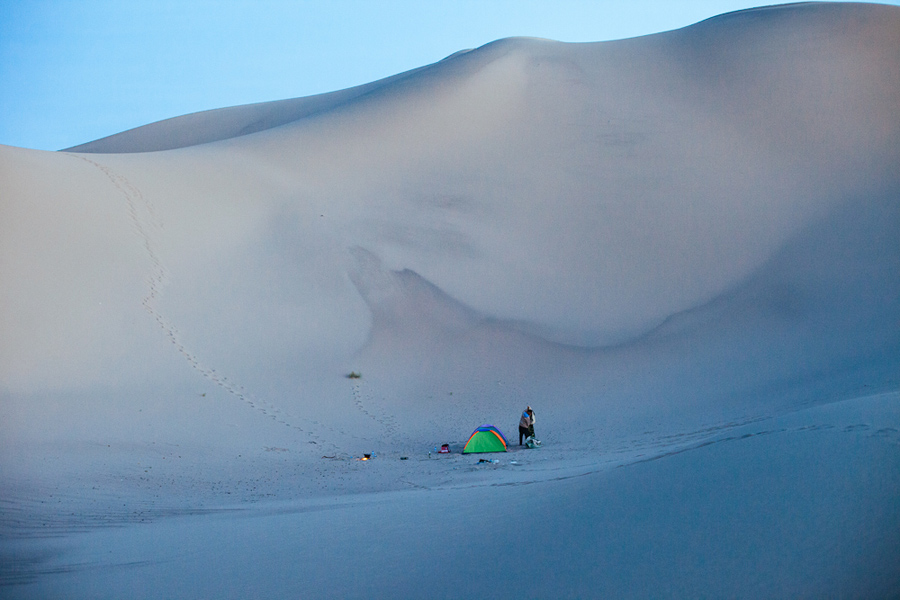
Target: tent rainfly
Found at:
x=486, y=438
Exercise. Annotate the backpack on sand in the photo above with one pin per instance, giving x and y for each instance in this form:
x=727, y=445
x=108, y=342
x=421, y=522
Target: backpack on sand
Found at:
x=532, y=443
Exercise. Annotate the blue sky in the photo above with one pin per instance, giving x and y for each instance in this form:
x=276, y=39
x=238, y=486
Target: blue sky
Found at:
x=73, y=71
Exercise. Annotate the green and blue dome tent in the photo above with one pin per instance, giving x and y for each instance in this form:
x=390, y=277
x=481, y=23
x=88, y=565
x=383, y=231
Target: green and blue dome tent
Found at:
x=486, y=438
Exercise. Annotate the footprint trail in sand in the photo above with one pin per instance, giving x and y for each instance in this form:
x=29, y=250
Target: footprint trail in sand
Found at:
x=144, y=221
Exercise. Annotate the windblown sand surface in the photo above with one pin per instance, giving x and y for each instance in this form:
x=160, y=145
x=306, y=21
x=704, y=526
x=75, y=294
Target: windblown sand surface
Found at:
x=682, y=250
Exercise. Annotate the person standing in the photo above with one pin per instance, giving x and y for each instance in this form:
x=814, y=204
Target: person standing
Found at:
x=526, y=424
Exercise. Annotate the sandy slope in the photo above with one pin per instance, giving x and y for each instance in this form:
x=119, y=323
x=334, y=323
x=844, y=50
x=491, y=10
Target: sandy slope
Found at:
x=701, y=523
x=652, y=241
x=796, y=506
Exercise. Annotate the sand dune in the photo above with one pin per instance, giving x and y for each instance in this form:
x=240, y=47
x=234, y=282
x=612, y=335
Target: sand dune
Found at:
x=653, y=242
x=223, y=123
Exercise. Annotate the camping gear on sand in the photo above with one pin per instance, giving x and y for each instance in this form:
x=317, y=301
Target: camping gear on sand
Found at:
x=445, y=449
x=486, y=438
x=532, y=443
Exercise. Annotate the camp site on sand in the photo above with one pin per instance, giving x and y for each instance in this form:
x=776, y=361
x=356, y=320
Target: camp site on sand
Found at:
x=681, y=249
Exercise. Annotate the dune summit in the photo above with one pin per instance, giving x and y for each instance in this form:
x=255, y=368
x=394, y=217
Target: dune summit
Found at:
x=682, y=250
